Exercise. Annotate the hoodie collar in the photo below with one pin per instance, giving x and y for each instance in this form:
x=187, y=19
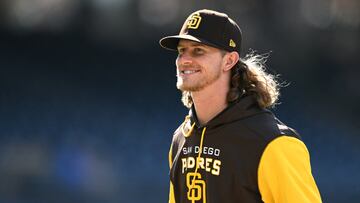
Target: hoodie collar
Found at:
x=245, y=107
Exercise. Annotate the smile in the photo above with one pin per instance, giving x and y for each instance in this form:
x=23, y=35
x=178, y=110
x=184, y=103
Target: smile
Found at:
x=187, y=72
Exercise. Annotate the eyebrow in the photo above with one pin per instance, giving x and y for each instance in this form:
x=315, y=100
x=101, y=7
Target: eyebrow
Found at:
x=195, y=44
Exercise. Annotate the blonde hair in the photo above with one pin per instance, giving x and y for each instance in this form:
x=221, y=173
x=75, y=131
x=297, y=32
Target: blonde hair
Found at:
x=249, y=77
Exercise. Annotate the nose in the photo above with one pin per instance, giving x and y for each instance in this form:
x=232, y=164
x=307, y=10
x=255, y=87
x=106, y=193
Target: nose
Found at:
x=183, y=59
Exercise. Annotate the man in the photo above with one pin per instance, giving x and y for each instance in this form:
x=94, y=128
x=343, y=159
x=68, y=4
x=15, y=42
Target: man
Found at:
x=231, y=148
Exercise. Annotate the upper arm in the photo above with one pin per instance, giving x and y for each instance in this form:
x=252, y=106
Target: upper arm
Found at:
x=284, y=173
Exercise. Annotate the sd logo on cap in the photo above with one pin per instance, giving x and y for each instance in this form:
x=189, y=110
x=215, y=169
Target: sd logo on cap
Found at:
x=194, y=21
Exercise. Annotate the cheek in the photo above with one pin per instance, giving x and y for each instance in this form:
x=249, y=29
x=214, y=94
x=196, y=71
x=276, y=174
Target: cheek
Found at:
x=177, y=61
x=214, y=65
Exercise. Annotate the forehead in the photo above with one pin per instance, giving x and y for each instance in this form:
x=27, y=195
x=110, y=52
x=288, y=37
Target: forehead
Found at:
x=189, y=43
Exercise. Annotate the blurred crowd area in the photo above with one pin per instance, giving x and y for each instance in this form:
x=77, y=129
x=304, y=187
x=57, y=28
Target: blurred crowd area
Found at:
x=88, y=102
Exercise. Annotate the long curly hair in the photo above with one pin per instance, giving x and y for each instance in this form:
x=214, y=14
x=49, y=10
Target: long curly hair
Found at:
x=249, y=77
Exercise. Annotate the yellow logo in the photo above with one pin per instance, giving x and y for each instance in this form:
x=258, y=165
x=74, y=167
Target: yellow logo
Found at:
x=194, y=21
x=196, y=187
x=232, y=43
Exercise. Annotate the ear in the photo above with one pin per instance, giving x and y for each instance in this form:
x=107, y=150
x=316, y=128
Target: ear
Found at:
x=230, y=60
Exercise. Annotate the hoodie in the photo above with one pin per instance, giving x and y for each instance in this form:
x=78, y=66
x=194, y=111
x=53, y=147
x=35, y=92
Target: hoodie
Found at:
x=244, y=154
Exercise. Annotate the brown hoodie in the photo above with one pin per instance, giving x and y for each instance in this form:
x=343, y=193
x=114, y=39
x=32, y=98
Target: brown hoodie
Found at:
x=244, y=154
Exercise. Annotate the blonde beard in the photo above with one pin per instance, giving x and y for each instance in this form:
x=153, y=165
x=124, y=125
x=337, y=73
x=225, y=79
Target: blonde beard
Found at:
x=199, y=85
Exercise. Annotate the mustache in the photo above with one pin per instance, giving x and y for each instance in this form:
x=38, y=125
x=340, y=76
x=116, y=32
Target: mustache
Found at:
x=192, y=66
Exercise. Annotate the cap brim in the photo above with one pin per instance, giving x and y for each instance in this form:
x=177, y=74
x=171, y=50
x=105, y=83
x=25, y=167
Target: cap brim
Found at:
x=171, y=42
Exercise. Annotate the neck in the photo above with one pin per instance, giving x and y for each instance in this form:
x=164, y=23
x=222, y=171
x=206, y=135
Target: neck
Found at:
x=209, y=102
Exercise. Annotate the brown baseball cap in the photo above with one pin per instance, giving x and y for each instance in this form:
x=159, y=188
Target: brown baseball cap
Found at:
x=207, y=27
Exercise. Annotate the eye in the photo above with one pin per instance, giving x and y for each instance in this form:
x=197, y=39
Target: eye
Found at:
x=180, y=50
x=198, y=51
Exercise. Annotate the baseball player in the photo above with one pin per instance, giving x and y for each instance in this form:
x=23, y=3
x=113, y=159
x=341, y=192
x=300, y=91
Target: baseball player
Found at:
x=231, y=148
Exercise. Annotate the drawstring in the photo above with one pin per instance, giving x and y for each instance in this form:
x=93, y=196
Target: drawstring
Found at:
x=198, y=157
x=200, y=148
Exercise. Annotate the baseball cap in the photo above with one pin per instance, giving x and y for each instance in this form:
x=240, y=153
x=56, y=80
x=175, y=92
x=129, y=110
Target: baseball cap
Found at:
x=207, y=27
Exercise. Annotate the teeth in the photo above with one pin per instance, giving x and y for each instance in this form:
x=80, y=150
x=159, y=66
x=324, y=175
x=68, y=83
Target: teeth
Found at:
x=188, y=71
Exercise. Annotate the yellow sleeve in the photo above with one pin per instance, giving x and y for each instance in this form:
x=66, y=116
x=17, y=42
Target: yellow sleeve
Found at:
x=171, y=189
x=284, y=173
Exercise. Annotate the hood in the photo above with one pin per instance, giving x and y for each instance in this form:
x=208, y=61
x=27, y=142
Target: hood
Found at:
x=245, y=107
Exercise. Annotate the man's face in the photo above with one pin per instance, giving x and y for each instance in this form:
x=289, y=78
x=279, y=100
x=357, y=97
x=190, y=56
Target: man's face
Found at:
x=198, y=65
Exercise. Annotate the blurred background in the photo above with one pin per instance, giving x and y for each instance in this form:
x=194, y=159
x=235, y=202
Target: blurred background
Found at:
x=88, y=102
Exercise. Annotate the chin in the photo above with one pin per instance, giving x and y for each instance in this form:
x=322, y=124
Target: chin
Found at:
x=190, y=88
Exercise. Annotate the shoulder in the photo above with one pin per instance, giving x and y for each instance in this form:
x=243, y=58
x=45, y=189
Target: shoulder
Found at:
x=177, y=139
x=286, y=146
x=177, y=135
x=267, y=127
